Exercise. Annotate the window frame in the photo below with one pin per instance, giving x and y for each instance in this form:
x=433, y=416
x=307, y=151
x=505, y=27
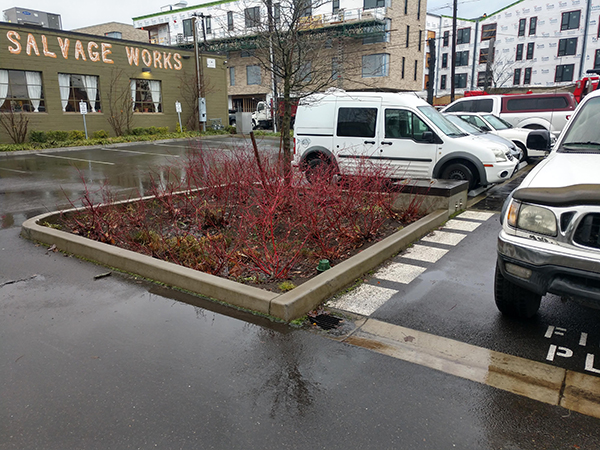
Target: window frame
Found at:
x=25, y=104
x=460, y=36
x=230, y=22
x=462, y=58
x=561, y=68
x=446, y=39
x=527, y=76
x=519, y=54
x=385, y=65
x=252, y=17
x=232, y=76
x=517, y=77
x=188, y=28
x=255, y=68
x=444, y=60
x=522, y=27
x=530, y=50
x=78, y=93
x=146, y=102
x=352, y=128
x=564, y=43
x=458, y=77
x=532, y=25
x=489, y=32
x=597, y=59
x=567, y=24
x=372, y=4
x=443, y=80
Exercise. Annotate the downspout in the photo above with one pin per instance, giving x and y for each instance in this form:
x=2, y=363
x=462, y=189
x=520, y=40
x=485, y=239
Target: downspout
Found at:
x=475, y=53
x=585, y=37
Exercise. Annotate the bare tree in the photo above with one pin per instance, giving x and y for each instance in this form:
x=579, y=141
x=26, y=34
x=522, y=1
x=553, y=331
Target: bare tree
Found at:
x=120, y=103
x=16, y=125
x=190, y=94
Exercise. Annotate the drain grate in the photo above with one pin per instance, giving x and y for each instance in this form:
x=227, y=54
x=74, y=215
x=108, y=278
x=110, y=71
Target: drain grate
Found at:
x=326, y=321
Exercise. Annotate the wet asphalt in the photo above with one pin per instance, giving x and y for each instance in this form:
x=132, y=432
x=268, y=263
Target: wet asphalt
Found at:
x=117, y=362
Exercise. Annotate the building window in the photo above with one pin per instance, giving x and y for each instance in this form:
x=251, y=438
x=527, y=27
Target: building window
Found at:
x=564, y=72
x=481, y=79
x=460, y=80
x=522, y=26
x=277, y=13
x=252, y=17
x=407, y=35
x=446, y=39
x=232, y=76
x=405, y=7
x=527, y=76
x=336, y=6
x=570, y=20
x=517, y=77
x=376, y=65
x=530, y=47
x=462, y=58
x=146, y=95
x=229, y=20
x=370, y=4
x=463, y=36
x=420, y=39
x=114, y=34
x=416, y=70
x=403, y=67
x=597, y=60
x=79, y=88
x=379, y=37
x=443, y=82
x=188, y=28
x=444, y=60
x=532, y=25
x=208, y=24
x=419, y=10
x=519, y=56
x=488, y=32
x=483, y=56
x=21, y=91
x=253, y=75
x=567, y=46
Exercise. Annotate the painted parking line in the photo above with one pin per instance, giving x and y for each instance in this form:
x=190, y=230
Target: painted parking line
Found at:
x=399, y=272
x=444, y=237
x=476, y=215
x=364, y=300
x=424, y=253
x=14, y=170
x=139, y=153
x=461, y=225
x=45, y=155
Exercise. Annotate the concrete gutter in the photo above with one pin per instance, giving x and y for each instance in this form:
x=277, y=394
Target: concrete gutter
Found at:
x=287, y=306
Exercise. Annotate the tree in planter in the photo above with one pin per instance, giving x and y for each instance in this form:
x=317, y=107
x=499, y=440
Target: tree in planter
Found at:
x=190, y=94
x=16, y=125
x=120, y=103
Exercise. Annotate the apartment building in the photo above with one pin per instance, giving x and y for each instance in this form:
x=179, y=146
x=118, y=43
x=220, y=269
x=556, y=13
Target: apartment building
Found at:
x=532, y=45
x=373, y=44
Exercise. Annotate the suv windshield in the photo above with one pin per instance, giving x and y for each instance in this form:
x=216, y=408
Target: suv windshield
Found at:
x=584, y=133
x=447, y=127
x=497, y=122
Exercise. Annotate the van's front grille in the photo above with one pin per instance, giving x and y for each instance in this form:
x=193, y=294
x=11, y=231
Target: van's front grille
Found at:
x=588, y=231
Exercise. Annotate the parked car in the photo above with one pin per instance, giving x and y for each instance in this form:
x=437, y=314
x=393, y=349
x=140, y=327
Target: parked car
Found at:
x=469, y=128
x=533, y=111
x=400, y=132
x=496, y=125
x=232, y=117
x=550, y=238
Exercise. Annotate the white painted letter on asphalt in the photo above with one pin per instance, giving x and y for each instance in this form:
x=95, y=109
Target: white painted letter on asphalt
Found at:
x=558, y=351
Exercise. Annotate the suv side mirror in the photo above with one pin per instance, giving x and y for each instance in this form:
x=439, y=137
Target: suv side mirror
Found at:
x=538, y=140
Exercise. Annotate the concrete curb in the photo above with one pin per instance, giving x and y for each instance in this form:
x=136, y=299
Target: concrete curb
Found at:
x=286, y=306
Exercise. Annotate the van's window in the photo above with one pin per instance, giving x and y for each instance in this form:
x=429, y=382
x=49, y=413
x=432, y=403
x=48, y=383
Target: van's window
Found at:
x=402, y=124
x=440, y=121
x=536, y=104
x=357, y=122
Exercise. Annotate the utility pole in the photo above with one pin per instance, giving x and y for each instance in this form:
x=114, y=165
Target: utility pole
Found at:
x=453, y=69
x=199, y=73
x=431, y=64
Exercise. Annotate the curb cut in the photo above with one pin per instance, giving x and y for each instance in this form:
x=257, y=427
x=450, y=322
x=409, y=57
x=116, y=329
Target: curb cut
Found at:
x=287, y=306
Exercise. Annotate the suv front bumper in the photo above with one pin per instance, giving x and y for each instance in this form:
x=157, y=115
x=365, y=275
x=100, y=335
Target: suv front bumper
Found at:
x=543, y=268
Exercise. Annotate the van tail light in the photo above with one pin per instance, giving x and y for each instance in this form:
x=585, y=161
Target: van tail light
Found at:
x=294, y=146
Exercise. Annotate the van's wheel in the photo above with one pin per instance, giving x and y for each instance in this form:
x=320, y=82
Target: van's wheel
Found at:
x=513, y=300
x=458, y=171
x=317, y=168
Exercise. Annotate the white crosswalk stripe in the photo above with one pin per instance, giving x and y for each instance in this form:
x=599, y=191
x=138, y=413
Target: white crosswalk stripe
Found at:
x=461, y=225
x=444, y=237
x=424, y=253
x=365, y=299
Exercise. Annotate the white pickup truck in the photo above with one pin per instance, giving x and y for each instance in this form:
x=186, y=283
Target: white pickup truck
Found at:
x=534, y=111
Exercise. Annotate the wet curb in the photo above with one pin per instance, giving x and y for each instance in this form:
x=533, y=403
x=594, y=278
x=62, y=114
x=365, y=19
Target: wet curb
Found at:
x=287, y=306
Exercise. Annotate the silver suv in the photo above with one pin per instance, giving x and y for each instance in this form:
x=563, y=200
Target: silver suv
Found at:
x=550, y=238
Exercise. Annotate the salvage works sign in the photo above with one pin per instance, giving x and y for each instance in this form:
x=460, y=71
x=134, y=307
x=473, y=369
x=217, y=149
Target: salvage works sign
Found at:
x=65, y=48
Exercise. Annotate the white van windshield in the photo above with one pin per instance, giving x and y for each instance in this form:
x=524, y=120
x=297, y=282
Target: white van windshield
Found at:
x=447, y=127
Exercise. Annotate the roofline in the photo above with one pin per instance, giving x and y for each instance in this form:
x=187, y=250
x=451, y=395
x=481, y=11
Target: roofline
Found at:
x=187, y=8
x=487, y=16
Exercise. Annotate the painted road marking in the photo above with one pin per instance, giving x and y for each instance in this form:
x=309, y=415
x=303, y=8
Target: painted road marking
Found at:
x=139, y=153
x=399, y=272
x=364, y=300
x=461, y=225
x=14, y=170
x=75, y=159
x=476, y=215
x=424, y=253
x=539, y=381
x=443, y=237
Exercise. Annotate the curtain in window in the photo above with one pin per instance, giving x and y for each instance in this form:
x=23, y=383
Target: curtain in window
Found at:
x=64, y=83
x=34, y=88
x=3, y=85
x=155, y=92
x=132, y=85
x=91, y=88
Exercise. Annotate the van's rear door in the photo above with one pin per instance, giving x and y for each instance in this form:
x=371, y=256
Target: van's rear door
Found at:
x=356, y=137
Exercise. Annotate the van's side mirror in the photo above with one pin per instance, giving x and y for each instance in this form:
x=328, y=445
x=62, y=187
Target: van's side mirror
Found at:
x=427, y=136
x=539, y=140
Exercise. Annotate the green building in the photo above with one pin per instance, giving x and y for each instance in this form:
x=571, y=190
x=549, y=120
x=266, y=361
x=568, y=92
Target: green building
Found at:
x=49, y=75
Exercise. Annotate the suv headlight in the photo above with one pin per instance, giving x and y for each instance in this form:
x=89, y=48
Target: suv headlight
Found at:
x=531, y=218
x=499, y=154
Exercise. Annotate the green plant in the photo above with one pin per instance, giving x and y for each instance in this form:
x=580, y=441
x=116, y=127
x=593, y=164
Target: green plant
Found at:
x=230, y=129
x=57, y=136
x=100, y=134
x=38, y=136
x=179, y=130
x=76, y=135
x=286, y=286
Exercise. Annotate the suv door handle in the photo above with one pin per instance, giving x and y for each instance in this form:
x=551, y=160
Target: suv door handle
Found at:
x=369, y=142
x=386, y=143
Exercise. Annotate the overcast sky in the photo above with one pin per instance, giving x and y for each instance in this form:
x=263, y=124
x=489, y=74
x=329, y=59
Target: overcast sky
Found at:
x=83, y=13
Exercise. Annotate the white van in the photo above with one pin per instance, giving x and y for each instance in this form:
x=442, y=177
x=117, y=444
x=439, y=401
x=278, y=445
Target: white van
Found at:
x=403, y=133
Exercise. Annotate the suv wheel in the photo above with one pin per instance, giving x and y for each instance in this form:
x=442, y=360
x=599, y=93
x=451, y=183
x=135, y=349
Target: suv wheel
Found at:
x=458, y=171
x=513, y=300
